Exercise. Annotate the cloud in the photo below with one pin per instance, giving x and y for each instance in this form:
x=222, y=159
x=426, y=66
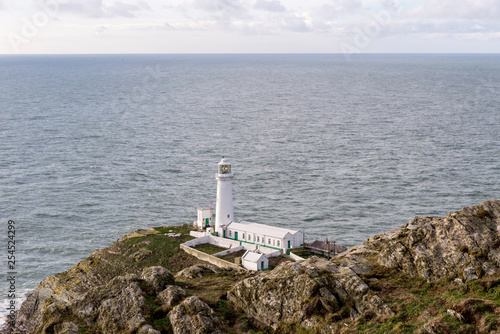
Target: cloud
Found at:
x=270, y=5
x=220, y=6
x=466, y=9
x=297, y=23
x=98, y=9
x=339, y=8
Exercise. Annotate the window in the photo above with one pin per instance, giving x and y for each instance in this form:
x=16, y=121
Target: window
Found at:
x=278, y=243
x=249, y=237
x=268, y=241
x=274, y=242
x=243, y=236
x=258, y=239
x=229, y=232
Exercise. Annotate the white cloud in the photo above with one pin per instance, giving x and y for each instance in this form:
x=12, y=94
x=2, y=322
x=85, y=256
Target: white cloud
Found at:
x=98, y=9
x=467, y=9
x=234, y=7
x=268, y=24
x=270, y=5
x=297, y=23
x=336, y=8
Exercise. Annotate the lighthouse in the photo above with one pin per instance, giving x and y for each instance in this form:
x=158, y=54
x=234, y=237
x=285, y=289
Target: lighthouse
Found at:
x=224, y=204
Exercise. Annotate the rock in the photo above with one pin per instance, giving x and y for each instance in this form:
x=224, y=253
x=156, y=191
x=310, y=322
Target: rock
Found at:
x=357, y=264
x=455, y=314
x=435, y=247
x=147, y=329
x=172, y=295
x=141, y=254
x=121, y=300
x=470, y=273
x=158, y=277
x=193, y=316
x=30, y=312
x=197, y=270
x=66, y=328
x=328, y=300
x=135, y=323
x=295, y=292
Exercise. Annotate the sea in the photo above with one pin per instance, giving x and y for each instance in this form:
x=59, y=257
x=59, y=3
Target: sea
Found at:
x=94, y=147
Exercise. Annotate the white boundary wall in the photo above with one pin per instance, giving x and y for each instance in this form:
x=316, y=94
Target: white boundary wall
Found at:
x=273, y=254
x=197, y=234
x=198, y=241
x=233, y=244
x=296, y=257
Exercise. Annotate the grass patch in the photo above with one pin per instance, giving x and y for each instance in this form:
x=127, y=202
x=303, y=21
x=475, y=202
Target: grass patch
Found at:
x=416, y=302
x=231, y=257
x=209, y=248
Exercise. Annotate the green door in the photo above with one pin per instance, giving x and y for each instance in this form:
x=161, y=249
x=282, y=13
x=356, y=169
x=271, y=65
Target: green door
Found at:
x=206, y=222
x=288, y=244
x=235, y=235
x=262, y=265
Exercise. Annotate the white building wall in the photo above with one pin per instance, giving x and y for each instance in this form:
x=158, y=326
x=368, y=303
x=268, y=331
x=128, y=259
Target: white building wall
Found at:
x=203, y=215
x=255, y=265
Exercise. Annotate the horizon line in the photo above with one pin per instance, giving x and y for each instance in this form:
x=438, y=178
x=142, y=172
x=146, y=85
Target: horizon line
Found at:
x=249, y=53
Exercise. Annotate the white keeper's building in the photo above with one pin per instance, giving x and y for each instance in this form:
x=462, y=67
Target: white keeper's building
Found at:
x=264, y=235
x=246, y=232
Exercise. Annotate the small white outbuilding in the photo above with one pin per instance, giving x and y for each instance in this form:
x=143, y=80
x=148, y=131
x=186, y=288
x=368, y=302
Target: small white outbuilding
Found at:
x=205, y=218
x=254, y=261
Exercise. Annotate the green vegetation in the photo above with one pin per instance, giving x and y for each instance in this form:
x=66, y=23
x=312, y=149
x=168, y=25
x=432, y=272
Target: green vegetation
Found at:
x=209, y=248
x=152, y=248
x=416, y=302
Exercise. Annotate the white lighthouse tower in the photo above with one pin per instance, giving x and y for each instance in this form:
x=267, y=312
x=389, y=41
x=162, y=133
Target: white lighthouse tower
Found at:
x=224, y=204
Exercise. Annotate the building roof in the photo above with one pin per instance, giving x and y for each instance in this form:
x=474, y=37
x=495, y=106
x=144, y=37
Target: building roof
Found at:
x=271, y=231
x=252, y=256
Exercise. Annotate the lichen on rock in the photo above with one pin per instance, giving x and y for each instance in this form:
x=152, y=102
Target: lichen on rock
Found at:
x=158, y=277
x=194, y=316
x=462, y=244
x=291, y=292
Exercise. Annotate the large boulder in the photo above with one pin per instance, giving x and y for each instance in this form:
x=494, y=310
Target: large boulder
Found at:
x=171, y=295
x=120, y=301
x=295, y=292
x=193, y=316
x=158, y=277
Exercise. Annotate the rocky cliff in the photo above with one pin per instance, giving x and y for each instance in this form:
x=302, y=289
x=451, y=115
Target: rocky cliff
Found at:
x=432, y=275
x=463, y=244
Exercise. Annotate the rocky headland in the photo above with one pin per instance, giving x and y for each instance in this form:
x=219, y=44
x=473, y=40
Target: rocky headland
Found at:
x=431, y=275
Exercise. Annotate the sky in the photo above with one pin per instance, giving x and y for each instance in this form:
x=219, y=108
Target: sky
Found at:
x=249, y=26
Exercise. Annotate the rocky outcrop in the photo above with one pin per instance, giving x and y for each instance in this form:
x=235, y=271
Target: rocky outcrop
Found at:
x=172, y=295
x=114, y=307
x=193, y=316
x=115, y=304
x=158, y=277
x=465, y=244
x=295, y=292
x=117, y=291
x=197, y=270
